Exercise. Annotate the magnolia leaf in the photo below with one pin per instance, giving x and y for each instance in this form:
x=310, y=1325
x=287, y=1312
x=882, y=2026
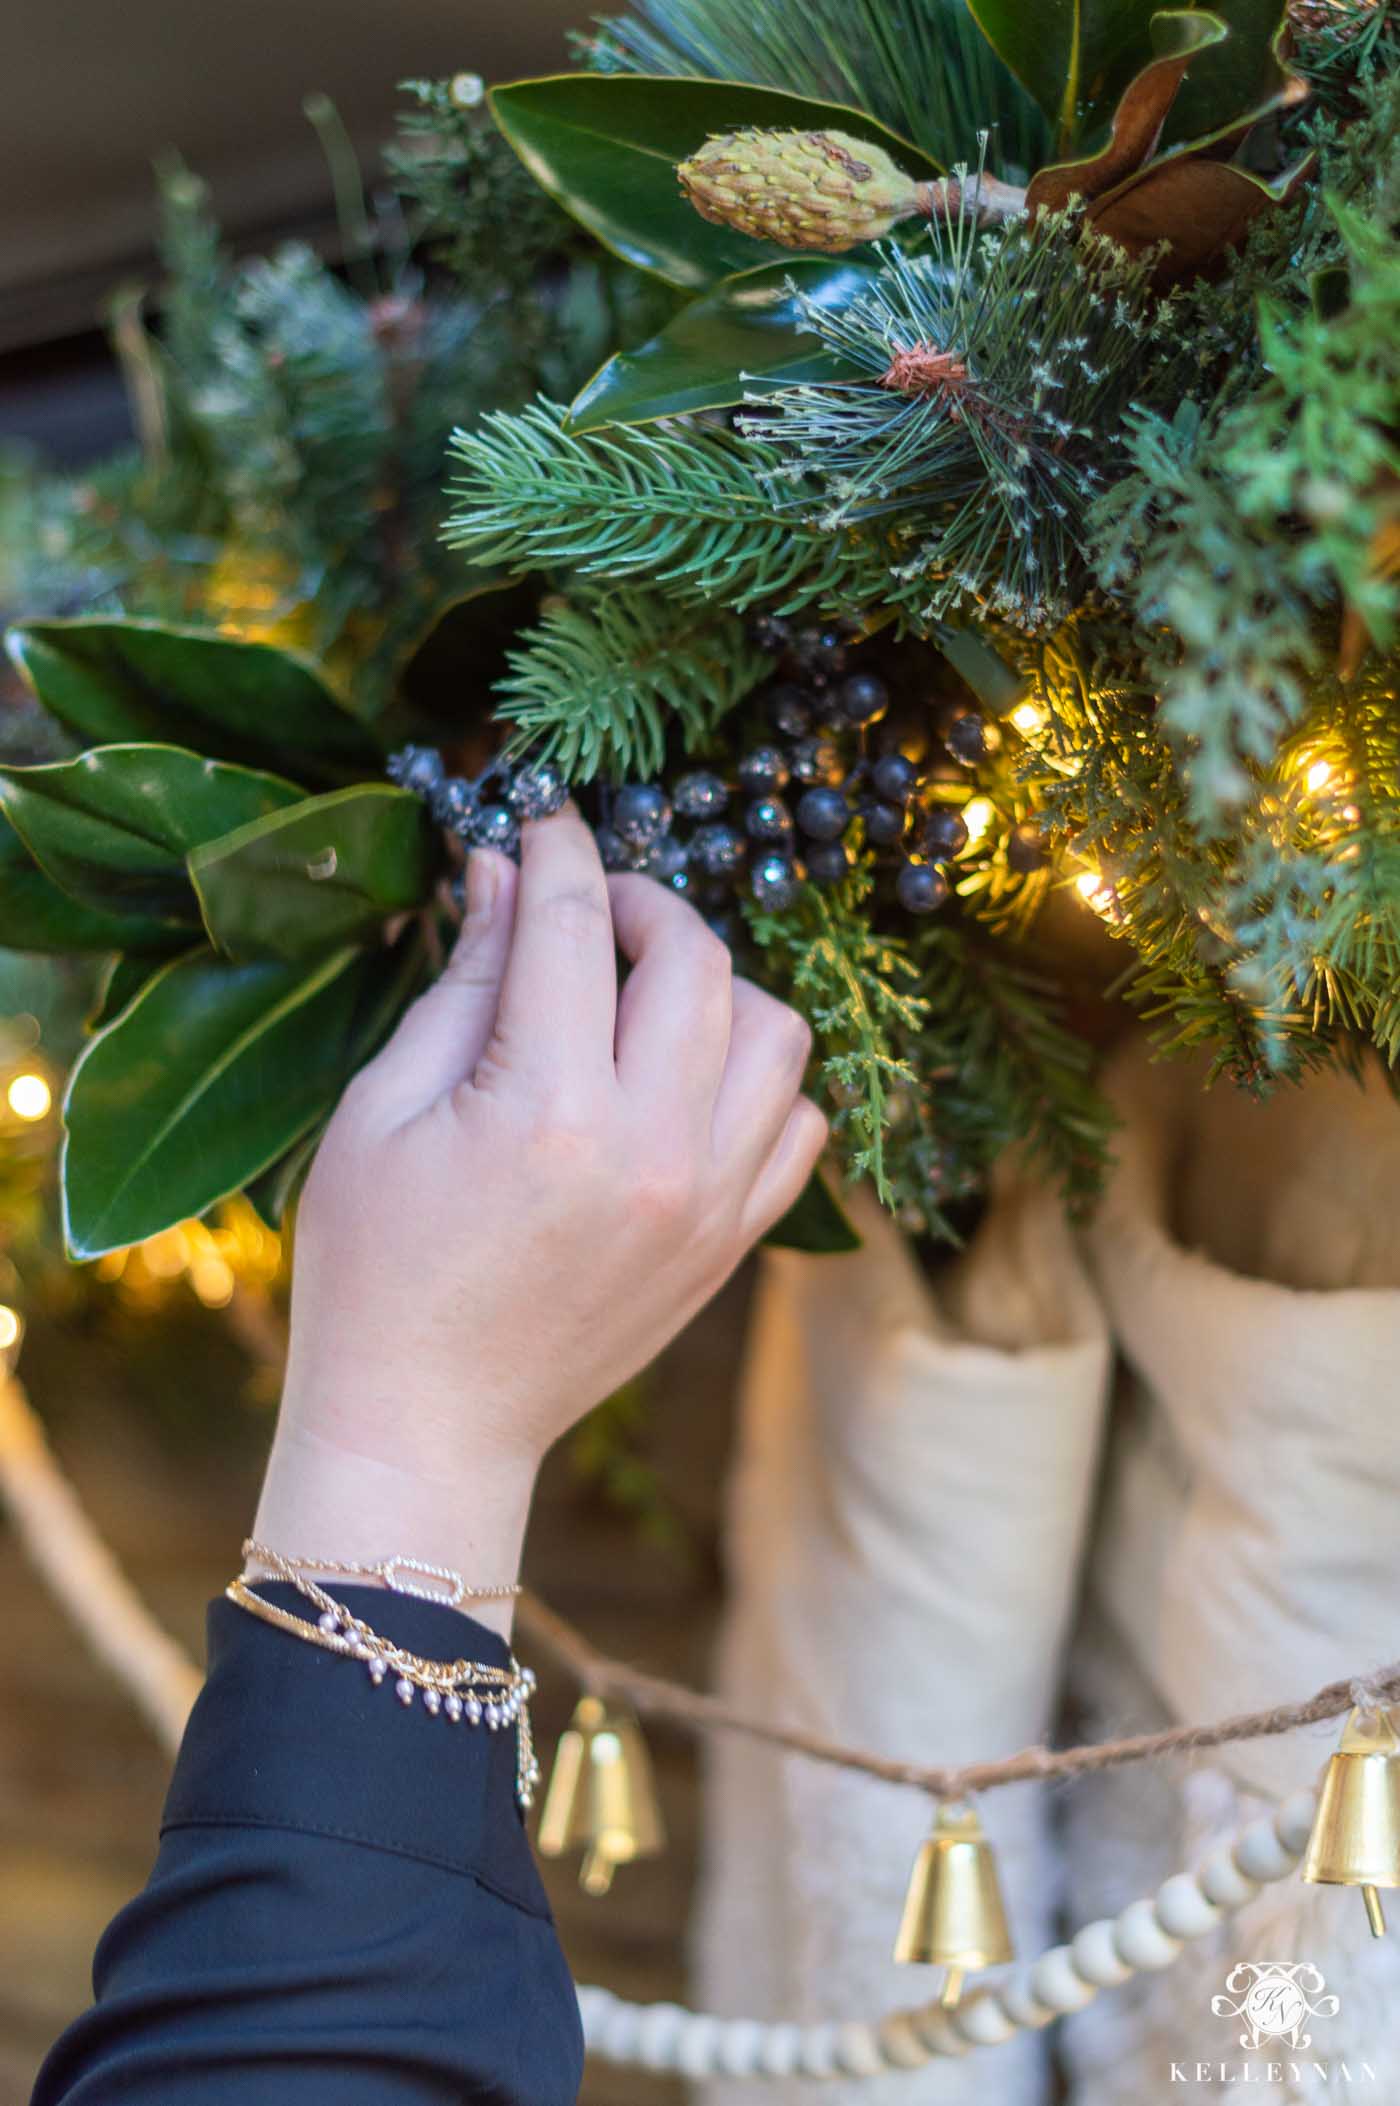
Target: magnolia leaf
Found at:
x=209, y=1076
x=1240, y=79
x=115, y=680
x=120, y=986
x=1138, y=119
x=815, y=1223
x=36, y=915
x=321, y=873
x=1199, y=206
x=461, y=652
x=113, y=827
x=605, y=146
x=1075, y=56
x=745, y=338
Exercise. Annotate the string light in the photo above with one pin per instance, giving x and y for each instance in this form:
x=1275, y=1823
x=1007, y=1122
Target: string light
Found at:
x=1318, y=776
x=1096, y=892
x=29, y=1096
x=11, y=1329
x=978, y=814
x=1028, y=718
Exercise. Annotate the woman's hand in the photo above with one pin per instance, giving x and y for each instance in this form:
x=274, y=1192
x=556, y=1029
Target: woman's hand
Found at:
x=520, y=1201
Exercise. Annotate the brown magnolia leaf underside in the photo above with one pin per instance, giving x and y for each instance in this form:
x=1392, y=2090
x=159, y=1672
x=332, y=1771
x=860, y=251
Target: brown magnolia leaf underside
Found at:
x=1137, y=127
x=1200, y=207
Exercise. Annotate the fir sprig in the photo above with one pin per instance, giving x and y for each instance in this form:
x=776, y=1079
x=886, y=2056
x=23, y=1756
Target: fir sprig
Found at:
x=599, y=683
x=687, y=508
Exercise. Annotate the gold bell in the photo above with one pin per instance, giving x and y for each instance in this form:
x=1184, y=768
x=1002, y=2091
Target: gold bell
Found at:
x=1355, y=1841
x=953, y=1913
x=601, y=1797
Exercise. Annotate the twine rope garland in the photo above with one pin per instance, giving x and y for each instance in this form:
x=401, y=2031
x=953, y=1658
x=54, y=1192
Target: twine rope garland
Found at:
x=700, y=1713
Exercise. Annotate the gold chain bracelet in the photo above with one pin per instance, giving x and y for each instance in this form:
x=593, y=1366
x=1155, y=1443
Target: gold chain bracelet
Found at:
x=464, y=1692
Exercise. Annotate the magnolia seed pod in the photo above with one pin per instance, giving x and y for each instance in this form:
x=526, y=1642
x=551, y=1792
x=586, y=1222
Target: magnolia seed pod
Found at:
x=804, y=190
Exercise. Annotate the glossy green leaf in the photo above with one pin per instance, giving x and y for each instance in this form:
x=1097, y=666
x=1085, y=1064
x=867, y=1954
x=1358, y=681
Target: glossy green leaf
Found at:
x=113, y=680
x=984, y=669
x=1075, y=56
x=113, y=827
x=324, y=872
x=815, y=1223
x=209, y=1076
x=35, y=915
x=122, y=983
x=450, y=669
x=1240, y=77
x=606, y=147
x=745, y=338
x=272, y=1194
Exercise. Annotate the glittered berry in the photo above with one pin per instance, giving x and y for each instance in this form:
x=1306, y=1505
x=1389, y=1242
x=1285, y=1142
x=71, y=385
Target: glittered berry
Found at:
x=495, y=827
x=701, y=796
x=920, y=888
x=538, y=790
x=823, y=813
x=416, y=768
x=611, y=847
x=821, y=653
x=453, y=804
x=790, y=710
x=774, y=882
x=768, y=819
x=885, y=824
x=816, y=760
x=828, y=862
x=764, y=771
x=641, y=811
x=864, y=698
x=1025, y=847
x=895, y=778
x=665, y=859
x=969, y=738
x=945, y=832
x=769, y=632
x=717, y=850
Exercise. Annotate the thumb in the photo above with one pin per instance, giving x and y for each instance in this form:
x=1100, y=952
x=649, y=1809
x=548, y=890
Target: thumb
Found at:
x=443, y=1035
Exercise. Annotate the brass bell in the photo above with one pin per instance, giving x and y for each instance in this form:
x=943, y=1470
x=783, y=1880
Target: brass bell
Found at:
x=953, y=1913
x=601, y=1797
x=1355, y=1841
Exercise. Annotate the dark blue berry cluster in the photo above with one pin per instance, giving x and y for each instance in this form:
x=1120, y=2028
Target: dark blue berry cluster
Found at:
x=483, y=811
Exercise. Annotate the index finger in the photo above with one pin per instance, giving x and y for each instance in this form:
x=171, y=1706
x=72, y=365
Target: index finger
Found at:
x=558, y=1008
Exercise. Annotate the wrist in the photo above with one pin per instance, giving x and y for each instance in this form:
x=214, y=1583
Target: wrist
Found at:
x=324, y=1498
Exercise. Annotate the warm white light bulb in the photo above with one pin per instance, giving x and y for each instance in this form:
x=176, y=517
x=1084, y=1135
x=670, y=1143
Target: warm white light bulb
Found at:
x=29, y=1096
x=978, y=814
x=1028, y=718
x=11, y=1326
x=1318, y=775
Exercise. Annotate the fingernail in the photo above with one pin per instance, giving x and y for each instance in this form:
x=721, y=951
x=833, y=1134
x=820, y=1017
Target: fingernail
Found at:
x=483, y=885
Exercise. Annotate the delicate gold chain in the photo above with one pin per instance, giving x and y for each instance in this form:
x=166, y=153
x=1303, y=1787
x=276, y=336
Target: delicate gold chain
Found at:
x=389, y=1570
x=474, y=1692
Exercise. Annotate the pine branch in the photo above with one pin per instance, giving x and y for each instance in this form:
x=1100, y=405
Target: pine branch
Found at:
x=599, y=682
x=684, y=508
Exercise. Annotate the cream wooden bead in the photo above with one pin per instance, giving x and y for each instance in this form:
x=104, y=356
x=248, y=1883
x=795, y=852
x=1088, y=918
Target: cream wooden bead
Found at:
x=936, y=2030
x=1056, y=1981
x=900, y=2044
x=1259, y=1853
x=1221, y=1880
x=1183, y=1910
x=1021, y=2003
x=818, y=2051
x=857, y=2050
x=781, y=2053
x=695, y=2050
x=1096, y=1954
x=1141, y=1939
x=1293, y=1821
x=982, y=2021
x=738, y=2045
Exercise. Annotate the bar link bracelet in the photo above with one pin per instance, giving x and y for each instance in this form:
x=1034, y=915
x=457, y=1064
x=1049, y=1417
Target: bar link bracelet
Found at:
x=464, y=1692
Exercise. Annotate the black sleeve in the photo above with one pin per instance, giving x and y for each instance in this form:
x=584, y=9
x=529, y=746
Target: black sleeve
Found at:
x=344, y=1910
